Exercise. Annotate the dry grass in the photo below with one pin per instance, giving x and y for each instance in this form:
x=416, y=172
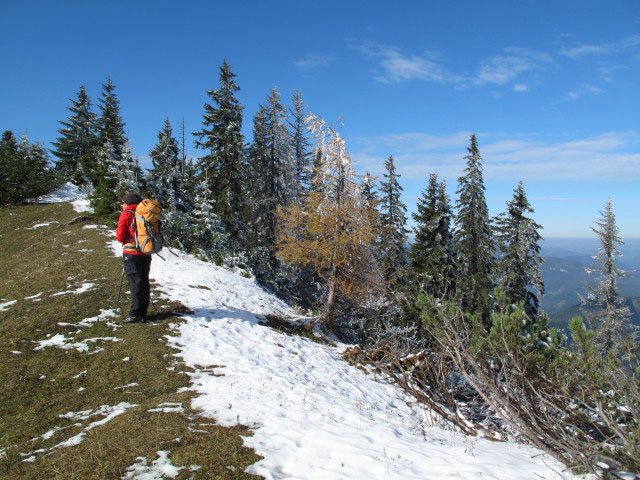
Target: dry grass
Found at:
x=40, y=385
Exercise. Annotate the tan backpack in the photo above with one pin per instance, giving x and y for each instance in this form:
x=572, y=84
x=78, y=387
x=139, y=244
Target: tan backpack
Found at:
x=148, y=226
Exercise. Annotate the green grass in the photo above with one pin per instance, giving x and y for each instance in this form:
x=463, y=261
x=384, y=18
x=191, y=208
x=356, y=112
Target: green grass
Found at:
x=37, y=386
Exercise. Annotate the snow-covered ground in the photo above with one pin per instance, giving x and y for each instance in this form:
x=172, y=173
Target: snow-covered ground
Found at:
x=313, y=416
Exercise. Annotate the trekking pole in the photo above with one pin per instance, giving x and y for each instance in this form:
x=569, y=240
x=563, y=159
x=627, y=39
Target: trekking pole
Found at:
x=119, y=291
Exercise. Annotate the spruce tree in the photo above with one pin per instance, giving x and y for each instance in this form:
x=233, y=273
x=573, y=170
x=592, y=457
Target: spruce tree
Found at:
x=75, y=148
x=609, y=314
x=274, y=184
x=432, y=263
x=166, y=174
x=519, y=262
x=223, y=165
x=110, y=123
x=117, y=171
x=474, y=241
x=300, y=144
x=393, y=231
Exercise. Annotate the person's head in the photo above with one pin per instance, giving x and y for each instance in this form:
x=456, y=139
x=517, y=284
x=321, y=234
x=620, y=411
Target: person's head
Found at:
x=130, y=199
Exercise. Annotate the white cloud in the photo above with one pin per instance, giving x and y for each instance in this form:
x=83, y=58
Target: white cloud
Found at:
x=520, y=87
x=585, y=89
x=610, y=156
x=396, y=66
x=602, y=49
x=313, y=60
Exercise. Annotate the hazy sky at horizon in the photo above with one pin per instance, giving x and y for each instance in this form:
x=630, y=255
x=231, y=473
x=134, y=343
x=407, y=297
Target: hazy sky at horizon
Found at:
x=550, y=88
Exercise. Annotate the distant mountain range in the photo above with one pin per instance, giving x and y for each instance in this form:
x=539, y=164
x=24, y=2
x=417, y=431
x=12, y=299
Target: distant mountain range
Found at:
x=565, y=278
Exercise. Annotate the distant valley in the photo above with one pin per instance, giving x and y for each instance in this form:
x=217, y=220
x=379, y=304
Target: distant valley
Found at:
x=565, y=278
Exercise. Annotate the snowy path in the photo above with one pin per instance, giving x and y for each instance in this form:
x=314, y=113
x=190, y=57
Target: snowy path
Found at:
x=313, y=415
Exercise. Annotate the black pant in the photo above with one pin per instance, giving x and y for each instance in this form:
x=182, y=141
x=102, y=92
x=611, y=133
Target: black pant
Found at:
x=137, y=269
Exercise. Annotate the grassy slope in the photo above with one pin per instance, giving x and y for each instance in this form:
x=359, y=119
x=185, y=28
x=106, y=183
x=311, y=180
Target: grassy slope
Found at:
x=37, y=386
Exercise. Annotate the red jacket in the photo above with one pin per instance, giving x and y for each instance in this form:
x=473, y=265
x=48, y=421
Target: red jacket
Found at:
x=125, y=233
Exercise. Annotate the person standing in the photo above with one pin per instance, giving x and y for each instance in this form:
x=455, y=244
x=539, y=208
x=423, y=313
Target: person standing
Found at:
x=136, y=263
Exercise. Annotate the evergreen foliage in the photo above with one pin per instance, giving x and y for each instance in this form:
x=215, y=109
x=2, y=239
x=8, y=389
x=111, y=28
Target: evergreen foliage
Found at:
x=474, y=239
x=168, y=168
x=393, y=231
x=223, y=165
x=519, y=261
x=611, y=320
x=300, y=144
x=273, y=164
x=432, y=255
x=75, y=148
x=24, y=169
x=117, y=172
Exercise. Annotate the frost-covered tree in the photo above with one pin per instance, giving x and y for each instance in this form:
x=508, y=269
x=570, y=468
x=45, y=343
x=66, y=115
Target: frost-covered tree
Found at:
x=519, y=261
x=166, y=174
x=332, y=230
x=609, y=314
x=117, y=171
x=206, y=234
x=300, y=144
x=274, y=184
x=393, y=231
x=110, y=123
x=223, y=165
x=75, y=147
x=474, y=241
x=432, y=256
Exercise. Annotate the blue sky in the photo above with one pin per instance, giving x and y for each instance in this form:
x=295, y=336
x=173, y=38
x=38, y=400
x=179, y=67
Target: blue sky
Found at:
x=550, y=88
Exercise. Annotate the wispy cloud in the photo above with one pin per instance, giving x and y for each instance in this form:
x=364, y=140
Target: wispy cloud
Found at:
x=585, y=89
x=601, y=49
x=313, y=60
x=506, y=67
x=610, y=156
x=395, y=66
x=520, y=87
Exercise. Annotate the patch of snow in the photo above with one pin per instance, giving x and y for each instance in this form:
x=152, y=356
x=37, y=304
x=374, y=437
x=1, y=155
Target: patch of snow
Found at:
x=38, y=225
x=66, y=193
x=33, y=296
x=159, y=468
x=82, y=205
x=134, y=384
x=60, y=341
x=32, y=458
x=313, y=415
x=16, y=352
x=168, y=408
x=85, y=287
x=81, y=389
x=126, y=359
x=80, y=374
x=86, y=227
x=5, y=306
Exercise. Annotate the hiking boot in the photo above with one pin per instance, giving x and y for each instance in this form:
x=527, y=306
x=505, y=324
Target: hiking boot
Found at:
x=132, y=320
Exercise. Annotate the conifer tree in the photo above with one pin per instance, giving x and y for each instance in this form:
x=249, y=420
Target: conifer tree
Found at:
x=519, y=261
x=393, y=231
x=300, y=144
x=110, y=123
x=275, y=183
x=474, y=239
x=117, y=171
x=75, y=148
x=166, y=174
x=24, y=169
x=333, y=229
x=223, y=165
x=611, y=318
x=432, y=254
